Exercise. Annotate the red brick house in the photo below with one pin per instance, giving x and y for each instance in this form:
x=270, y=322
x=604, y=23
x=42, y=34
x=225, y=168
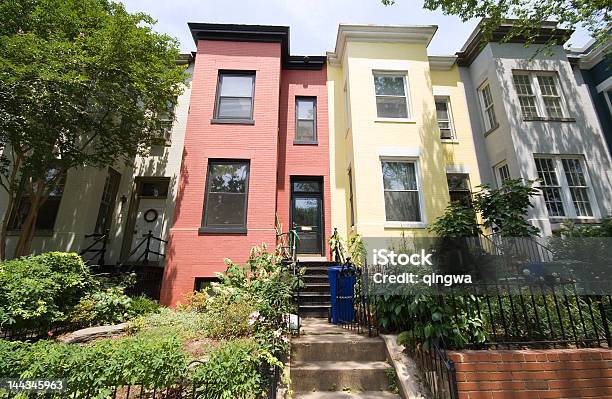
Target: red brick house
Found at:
x=256, y=145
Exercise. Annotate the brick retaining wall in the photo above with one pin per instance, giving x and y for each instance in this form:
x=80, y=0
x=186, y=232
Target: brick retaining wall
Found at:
x=534, y=374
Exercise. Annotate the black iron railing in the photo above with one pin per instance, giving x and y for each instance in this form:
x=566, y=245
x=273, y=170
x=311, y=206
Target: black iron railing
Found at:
x=145, y=246
x=287, y=247
x=96, y=251
x=438, y=371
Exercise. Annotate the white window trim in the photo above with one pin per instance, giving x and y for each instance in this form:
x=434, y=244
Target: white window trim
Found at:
x=451, y=122
x=496, y=170
x=608, y=99
x=539, y=97
x=419, y=180
x=347, y=107
x=404, y=76
x=483, y=108
x=566, y=196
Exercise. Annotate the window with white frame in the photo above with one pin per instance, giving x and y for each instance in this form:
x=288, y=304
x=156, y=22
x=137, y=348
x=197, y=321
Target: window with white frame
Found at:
x=502, y=174
x=445, y=119
x=391, y=95
x=488, y=109
x=539, y=94
x=565, y=186
x=401, y=191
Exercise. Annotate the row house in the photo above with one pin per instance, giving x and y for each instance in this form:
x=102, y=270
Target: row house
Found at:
x=376, y=137
x=532, y=118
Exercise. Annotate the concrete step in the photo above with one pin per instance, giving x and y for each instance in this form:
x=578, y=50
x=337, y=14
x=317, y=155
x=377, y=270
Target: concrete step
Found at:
x=316, y=287
x=338, y=376
x=346, y=395
x=320, y=310
x=337, y=347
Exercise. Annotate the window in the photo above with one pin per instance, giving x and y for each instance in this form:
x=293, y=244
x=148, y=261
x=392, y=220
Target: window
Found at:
x=577, y=185
x=564, y=185
x=350, y=184
x=305, y=120
x=157, y=188
x=538, y=94
x=225, y=206
x=47, y=213
x=459, y=188
x=401, y=191
x=503, y=174
x=235, y=96
x=490, y=120
x=391, y=98
x=550, y=186
x=445, y=123
x=107, y=203
x=527, y=98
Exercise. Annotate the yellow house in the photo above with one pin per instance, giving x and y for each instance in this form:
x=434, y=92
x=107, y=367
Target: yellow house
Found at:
x=399, y=131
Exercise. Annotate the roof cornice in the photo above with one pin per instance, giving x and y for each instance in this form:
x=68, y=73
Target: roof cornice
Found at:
x=590, y=55
x=474, y=45
x=256, y=33
x=441, y=62
x=416, y=34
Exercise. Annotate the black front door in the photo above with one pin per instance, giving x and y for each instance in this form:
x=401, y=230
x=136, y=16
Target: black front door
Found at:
x=307, y=214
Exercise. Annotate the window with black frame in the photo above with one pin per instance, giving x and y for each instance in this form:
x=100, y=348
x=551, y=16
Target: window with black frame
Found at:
x=225, y=205
x=234, y=102
x=459, y=188
x=305, y=120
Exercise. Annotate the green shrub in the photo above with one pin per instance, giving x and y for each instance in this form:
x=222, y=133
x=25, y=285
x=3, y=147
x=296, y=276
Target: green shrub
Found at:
x=142, y=305
x=233, y=371
x=109, y=306
x=196, y=301
x=40, y=290
x=95, y=368
x=167, y=322
x=229, y=318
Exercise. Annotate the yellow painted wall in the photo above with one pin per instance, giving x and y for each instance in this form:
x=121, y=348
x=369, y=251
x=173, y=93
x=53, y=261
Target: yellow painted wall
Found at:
x=459, y=152
x=362, y=144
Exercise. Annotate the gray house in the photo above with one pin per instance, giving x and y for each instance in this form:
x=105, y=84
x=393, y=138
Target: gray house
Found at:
x=596, y=69
x=533, y=118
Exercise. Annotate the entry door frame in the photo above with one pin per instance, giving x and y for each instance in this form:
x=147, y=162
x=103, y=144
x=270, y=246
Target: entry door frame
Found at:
x=130, y=223
x=292, y=195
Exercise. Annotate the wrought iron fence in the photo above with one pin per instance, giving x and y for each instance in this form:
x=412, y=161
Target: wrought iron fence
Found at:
x=356, y=309
x=94, y=254
x=438, y=371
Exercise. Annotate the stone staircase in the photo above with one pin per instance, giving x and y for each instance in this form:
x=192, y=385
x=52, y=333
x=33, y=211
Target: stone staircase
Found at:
x=314, y=297
x=330, y=362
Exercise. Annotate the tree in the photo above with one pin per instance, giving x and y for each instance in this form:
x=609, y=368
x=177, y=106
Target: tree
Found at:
x=82, y=83
x=529, y=15
x=503, y=209
x=458, y=221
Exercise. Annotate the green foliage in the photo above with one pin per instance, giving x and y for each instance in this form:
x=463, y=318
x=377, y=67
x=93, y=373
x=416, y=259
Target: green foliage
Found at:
x=603, y=229
x=426, y=320
x=167, y=322
x=393, y=382
x=529, y=16
x=108, y=306
x=354, y=248
x=196, y=301
x=142, y=305
x=456, y=222
x=232, y=371
x=228, y=318
x=503, y=209
x=82, y=83
x=40, y=290
x=97, y=367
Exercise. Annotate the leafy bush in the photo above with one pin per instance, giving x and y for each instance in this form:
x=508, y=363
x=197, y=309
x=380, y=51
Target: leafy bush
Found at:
x=168, y=322
x=40, y=290
x=97, y=367
x=457, y=221
x=196, y=301
x=142, y=305
x=233, y=371
x=227, y=318
x=108, y=306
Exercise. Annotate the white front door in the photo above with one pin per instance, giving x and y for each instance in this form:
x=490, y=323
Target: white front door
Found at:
x=149, y=217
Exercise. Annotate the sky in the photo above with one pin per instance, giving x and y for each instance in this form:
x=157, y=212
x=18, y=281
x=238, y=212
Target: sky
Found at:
x=313, y=23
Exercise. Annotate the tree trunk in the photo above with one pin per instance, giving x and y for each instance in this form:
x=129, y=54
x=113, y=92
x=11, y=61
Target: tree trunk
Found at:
x=12, y=193
x=29, y=224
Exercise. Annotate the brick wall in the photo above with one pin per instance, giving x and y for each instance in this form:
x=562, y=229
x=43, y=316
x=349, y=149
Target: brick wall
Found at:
x=190, y=254
x=534, y=374
x=303, y=160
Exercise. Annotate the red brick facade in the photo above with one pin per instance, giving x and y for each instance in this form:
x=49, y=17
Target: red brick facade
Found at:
x=266, y=144
x=303, y=159
x=534, y=374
